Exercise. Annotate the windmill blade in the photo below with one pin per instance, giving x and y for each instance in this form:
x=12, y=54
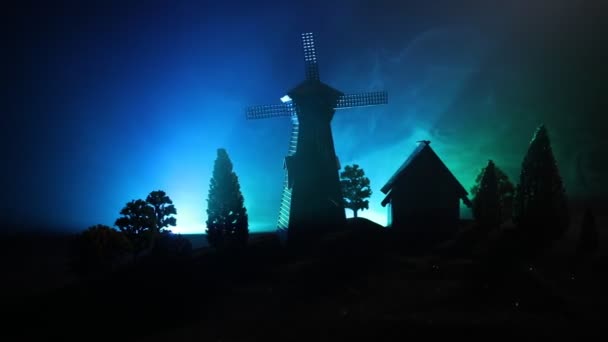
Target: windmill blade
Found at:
x=362, y=99
x=310, y=56
x=268, y=111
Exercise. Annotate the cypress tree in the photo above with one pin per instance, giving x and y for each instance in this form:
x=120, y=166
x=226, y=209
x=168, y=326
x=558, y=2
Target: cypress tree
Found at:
x=486, y=203
x=541, y=209
x=227, y=221
x=506, y=192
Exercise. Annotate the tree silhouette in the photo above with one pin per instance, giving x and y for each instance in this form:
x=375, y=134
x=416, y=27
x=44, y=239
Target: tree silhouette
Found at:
x=173, y=245
x=540, y=210
x=137, y=223
x=163, y=211
x=355, y=188
x=97, y=249
x=588, y=238
x=227, y=221
x=492, y=196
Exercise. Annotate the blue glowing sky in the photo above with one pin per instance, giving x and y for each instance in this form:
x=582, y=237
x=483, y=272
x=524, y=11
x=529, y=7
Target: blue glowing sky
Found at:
x=113, y=101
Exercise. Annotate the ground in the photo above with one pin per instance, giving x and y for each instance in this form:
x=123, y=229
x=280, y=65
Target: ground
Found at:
x=355, y=283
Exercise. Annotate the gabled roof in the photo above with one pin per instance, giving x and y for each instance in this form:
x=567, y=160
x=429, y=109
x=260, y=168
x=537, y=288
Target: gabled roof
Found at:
x=385, y=189
x=423, y=148
x=386, y=199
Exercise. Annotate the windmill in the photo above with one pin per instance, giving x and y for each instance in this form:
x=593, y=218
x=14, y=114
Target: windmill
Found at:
x=312, y=197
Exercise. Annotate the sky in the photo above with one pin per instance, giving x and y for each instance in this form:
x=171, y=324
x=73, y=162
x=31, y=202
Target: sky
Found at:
x=110, y=100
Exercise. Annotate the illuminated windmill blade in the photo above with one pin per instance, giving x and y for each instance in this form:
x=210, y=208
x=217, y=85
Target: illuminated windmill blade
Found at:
x=269, y=111
x=310, y=57
x=362, y=99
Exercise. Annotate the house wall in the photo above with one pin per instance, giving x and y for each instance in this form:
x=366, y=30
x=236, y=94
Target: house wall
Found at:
x=424, y=200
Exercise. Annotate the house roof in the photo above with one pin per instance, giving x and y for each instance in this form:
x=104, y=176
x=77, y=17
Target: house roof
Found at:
x=423, y=148
x=386, y=199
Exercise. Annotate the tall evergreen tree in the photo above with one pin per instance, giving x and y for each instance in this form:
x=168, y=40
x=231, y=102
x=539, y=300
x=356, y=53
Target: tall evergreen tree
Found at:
x=486, y=201
x=227, y=220
x=506, y=192
x=355, y=188
x=541, y=209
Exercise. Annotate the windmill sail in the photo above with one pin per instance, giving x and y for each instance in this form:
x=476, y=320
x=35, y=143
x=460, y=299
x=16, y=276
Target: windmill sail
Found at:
x=310, y=57
x=362, y=99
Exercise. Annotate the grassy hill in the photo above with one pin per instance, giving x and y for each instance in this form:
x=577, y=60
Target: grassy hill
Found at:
x=345, y=286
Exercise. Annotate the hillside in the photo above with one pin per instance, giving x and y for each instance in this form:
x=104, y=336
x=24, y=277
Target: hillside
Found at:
x=352, y=274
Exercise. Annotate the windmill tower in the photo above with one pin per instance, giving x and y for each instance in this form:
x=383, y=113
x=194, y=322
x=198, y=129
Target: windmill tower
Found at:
x=312, y=197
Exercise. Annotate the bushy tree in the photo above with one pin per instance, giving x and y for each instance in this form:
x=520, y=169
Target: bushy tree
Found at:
x=97, y=249
x=163, y=211
x=355, y=188
x=227, y=220
x=137, y=223
x=588, y=239
x=540, y=209
x=492, y=196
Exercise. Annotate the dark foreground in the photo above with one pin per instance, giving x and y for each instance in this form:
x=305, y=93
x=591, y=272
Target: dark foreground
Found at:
x=355, y=284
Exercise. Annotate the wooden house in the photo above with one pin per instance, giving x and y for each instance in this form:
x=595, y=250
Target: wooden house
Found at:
x=423, y=196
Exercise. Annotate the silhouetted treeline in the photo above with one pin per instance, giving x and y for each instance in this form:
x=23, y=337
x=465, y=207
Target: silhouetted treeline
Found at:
x=537, y=204
x=141, y=228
